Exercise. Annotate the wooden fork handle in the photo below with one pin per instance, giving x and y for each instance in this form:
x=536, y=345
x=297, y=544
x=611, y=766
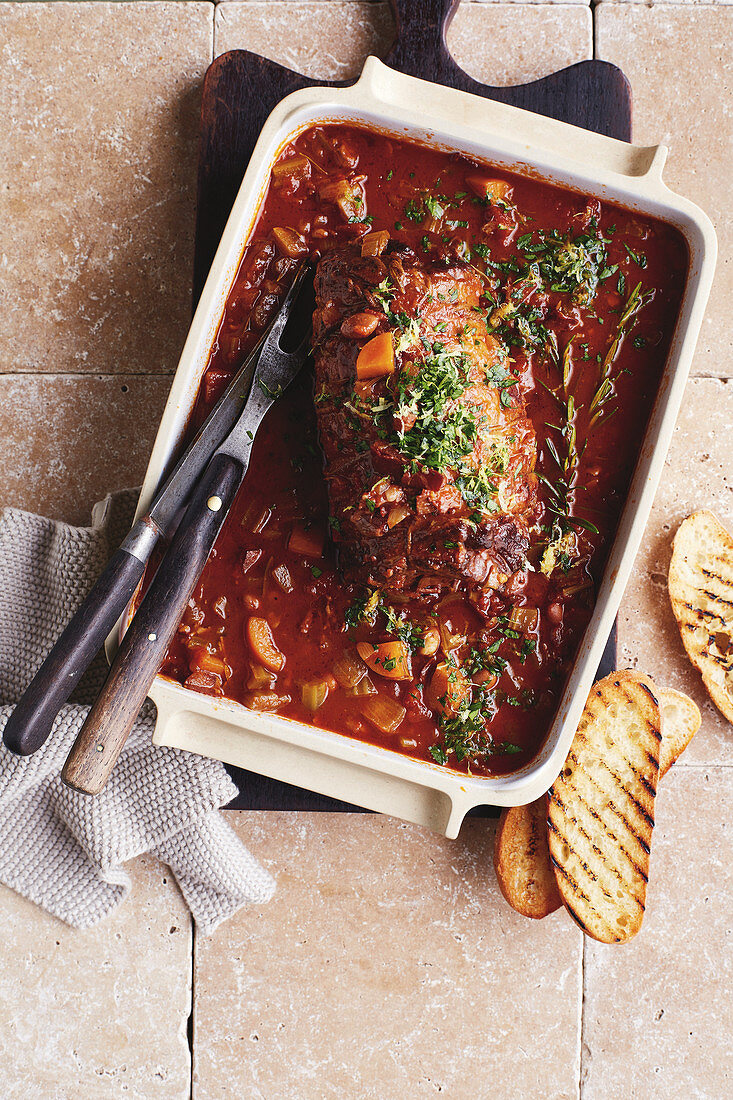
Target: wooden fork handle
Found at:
x=144, y=646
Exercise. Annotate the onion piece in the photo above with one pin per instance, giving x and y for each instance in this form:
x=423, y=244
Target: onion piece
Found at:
x=364, y=687
x=260, y=678
x=448, y=640
x=348, y=669
x=384, y=713
x=281, y=576
x=375, y=243
x=265, y=700
x=525, y=619
x=297, y=167
x=306, y=541
x=289, y=242
x=397, y=514
x=347, y=195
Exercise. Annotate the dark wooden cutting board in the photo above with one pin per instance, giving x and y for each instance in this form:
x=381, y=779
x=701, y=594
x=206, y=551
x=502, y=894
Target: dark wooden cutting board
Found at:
x=240, y=90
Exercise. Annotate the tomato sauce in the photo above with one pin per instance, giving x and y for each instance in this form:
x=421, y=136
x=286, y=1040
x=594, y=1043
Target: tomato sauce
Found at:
x=585, y=296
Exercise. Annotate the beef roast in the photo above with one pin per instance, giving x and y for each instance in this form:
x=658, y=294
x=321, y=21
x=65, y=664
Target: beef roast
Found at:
x=429, y=458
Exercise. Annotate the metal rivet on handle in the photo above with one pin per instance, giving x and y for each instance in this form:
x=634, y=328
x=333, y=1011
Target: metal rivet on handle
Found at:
x=152, y=637
x=214, y=504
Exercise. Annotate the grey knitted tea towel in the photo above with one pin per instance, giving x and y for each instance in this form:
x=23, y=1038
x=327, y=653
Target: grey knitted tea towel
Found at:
x=64, y=850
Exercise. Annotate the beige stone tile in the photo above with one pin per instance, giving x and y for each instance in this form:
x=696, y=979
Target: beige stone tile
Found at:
x=707, y=3
x=99, y=103
x=327, y=40
x=386, y=966
x=100, y=1014
x=697, y=474
x=501, y=43
x=585, y=3
x=70, y=440
x=678, y=60
x=658, y=1013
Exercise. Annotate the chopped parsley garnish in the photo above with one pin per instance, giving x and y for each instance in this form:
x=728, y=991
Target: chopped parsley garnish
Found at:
x=485, y=660
x=369, y=604
x=464, y=733
x=363, y=608
x=414, y=210
x=442, y=432
x=504, y=629
x=478, y=490
x=384, y=293
x=638, y=257
x=401, y=628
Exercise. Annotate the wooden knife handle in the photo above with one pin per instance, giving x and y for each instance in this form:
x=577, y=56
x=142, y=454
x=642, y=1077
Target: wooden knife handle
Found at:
x=144, y=646
x=32, y=720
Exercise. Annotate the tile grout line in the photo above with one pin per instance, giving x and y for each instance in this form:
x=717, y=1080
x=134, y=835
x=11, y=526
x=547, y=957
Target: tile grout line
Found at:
x=99, y=375
x=581, y=1029
x=190, y=1033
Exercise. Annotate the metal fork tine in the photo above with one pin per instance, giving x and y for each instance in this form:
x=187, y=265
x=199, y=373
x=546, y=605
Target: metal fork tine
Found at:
x=283, y=316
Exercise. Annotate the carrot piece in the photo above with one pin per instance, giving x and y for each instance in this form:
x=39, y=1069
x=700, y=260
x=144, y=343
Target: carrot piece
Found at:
x=376, y=358
x=449, y=688
x=261, y=642
x=208, y=662
x=389, y=659
x=487, y=188
x=307, y=541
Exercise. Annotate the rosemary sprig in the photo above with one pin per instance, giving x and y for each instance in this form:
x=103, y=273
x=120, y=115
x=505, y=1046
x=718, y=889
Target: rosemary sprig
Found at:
x=562, y=491
x=606, y=391
x=600, y=400
x=634, y=303
x=567, y=363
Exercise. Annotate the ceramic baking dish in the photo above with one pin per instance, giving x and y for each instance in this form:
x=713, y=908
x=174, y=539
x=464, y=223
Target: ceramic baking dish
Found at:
x=335, y=764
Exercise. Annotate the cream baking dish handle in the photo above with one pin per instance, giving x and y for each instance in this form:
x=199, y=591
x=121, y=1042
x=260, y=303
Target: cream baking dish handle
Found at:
x=538, y=133
x=273, y=749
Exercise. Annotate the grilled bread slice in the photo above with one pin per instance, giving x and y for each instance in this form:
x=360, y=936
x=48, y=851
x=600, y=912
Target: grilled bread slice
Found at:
x=521, y=851
x=601, y=808
x=680, y=722
x=522, y=856
x=522, y=860
x=701, y=590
